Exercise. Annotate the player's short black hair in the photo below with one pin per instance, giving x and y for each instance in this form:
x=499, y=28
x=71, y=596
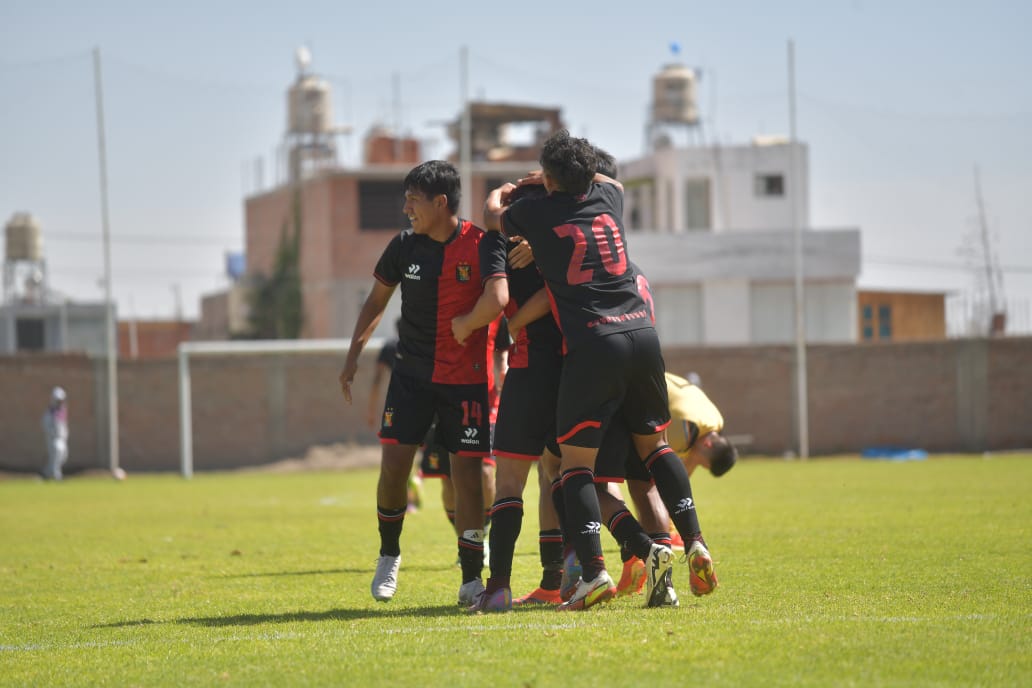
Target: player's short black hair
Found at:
x=570, y=161
x=606, y=163
x=434, y=178
x=723, y=458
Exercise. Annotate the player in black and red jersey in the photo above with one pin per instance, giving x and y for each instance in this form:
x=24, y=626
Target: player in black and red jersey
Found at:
x=613, y=363
x=437, y=263
x=526, y=425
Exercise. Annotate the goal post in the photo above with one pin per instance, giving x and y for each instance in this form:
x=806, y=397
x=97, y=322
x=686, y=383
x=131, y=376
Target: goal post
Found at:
x=188, y=350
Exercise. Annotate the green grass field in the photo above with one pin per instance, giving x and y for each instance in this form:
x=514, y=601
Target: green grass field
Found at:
x=833, y=572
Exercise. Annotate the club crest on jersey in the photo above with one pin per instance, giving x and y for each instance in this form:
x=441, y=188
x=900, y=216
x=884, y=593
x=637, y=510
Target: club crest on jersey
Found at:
x=463, y=272
x=388, y=418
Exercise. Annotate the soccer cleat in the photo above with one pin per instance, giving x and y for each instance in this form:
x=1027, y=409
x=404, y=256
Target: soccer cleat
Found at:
x=658, y=564
x=498, y=601
x=702, y=578
x=468, y=592
x=670, y=598
x=539, y=596
x=633, y=579
x=571, y=575
x=385, y=580
x=588, y=594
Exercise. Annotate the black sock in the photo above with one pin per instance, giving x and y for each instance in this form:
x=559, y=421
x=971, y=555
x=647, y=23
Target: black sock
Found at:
x=506, y=522
x=675, y=489
x=559, y=503
x=391, y=521
x=471, y=557
x=550, y=544
x=661, y=538
x=584, y=520
x=631, y=536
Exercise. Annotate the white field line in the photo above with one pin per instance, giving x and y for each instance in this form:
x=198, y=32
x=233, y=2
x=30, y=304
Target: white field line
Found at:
x=336, y=633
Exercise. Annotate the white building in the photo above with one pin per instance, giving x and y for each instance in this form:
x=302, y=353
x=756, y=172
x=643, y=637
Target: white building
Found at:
x=711, y=226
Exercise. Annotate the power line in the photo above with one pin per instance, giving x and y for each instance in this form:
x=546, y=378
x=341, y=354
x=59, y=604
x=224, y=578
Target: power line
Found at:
x=145, y=239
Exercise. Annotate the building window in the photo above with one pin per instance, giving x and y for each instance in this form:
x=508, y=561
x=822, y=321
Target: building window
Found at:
x=770, y=185
x=867, y=327
x=380, y=205
x=30, y=334
x=884, y=322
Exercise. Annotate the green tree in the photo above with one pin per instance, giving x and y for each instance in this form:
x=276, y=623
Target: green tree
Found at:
x=277, y=305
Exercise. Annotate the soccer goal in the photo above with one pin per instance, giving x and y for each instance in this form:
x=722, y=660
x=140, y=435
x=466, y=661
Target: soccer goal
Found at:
x=190, y=350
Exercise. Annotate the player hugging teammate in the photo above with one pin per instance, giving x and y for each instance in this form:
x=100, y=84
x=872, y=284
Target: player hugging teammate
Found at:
x=610, y=372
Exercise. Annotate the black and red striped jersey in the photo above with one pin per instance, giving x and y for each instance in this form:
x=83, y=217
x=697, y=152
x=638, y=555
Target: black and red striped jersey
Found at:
x=440, y=281
x=578, y=243
x=539, y=338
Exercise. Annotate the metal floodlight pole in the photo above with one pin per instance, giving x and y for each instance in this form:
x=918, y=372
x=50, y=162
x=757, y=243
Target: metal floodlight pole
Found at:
x=112, y=348
x=465, y=135
x=802, y=403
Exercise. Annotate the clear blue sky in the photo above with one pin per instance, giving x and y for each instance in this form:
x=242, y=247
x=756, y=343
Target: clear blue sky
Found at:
x=898, y=100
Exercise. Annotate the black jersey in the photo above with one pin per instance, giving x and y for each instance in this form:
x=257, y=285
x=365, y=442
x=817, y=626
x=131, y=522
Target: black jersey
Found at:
x=540, y=338
x=578, y=244
x=439, y=281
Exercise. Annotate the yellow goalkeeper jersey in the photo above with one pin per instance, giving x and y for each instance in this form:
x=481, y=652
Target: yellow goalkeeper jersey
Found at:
x=692, y=414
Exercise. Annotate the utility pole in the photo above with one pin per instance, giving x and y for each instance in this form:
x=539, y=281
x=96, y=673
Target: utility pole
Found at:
x=465, y=135
x=802, y=403
x=112, y=341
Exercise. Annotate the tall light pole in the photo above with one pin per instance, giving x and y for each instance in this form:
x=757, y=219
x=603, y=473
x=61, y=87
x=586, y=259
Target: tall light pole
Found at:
x=112, y=341
x=465, y=134
x=802, y=403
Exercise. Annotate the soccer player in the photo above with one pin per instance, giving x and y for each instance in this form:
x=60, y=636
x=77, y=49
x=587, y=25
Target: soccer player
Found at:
x=437, y=262
x=613, y=365
x=525, y=427
x=695, y=432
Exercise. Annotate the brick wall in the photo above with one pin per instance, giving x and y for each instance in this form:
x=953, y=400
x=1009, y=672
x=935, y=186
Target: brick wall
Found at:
x=956, y=395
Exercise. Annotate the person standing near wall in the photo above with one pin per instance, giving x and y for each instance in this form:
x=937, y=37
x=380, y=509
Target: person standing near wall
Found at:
x=55, y=429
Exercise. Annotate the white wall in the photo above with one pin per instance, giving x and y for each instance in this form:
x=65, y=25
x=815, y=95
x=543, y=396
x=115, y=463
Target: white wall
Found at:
x=678, y=313
x=734, y=204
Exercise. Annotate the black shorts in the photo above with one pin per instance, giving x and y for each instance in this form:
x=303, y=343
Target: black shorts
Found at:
x=618, y=458
x=618, y=375
x=461, y=411
x=526, y=413
x=435, y=461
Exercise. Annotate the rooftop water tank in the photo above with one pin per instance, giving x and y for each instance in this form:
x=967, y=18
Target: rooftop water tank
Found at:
x=673, y=96
x=24, y=238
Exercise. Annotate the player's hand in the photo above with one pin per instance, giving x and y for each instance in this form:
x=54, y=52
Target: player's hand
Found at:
x=535, y=177
x=347, y=376
x=460, y=330
x=514, y=334
x=507, y=189
x=520, y=256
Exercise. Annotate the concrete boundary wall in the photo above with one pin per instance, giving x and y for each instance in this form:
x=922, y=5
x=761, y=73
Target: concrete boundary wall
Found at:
x=954, y=395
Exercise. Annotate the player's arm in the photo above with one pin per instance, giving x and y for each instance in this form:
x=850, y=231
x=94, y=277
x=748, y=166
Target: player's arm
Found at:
x=534, y=308
x=488, y=307
x=495, y=205
x=603, y=179
x=368, y=318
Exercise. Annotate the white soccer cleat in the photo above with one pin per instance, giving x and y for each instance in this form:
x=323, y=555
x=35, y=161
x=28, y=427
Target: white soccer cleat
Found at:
x=469, y=592
x=659, y=561
x=385, y=580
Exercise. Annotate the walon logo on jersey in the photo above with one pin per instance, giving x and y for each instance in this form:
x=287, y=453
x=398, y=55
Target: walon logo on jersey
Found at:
x=684, y=505
x=463, y=272
x=471, y=435
x=413, y=272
